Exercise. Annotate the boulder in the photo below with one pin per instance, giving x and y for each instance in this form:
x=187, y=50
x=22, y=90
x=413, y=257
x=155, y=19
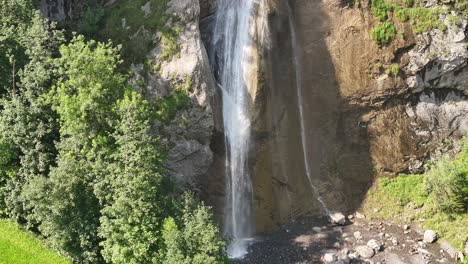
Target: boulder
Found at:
x=430, y=236
x=337, y=218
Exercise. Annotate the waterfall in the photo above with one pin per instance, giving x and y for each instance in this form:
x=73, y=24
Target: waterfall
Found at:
x=300, y=103
x=233, y=41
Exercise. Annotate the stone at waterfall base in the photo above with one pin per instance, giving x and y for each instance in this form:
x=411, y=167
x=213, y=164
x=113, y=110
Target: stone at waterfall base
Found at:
x=330, y=257
x=337, y=218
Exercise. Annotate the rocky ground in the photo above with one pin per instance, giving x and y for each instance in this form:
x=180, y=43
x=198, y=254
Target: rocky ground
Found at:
x=315, y=240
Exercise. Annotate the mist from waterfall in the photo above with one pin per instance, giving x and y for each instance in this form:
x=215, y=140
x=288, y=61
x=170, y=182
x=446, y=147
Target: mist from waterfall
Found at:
x=300, y=104
x=233, y=38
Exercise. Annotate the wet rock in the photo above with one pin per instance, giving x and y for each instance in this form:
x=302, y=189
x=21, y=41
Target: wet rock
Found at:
x=357, y=235
x=374, y=244
x=330, y=257
x=337, y=218
x=365, y=251
x=430, y=236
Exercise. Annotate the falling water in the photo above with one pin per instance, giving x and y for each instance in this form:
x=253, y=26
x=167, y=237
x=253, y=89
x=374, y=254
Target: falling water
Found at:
x=232, y=37
x=300, y=103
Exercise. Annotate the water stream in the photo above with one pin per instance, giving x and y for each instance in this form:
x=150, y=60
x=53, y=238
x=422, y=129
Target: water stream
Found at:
x=300, y=103
x=232, y=36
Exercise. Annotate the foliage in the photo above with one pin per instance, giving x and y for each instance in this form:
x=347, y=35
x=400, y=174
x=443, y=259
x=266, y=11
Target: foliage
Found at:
x=85, y=96
x=92, y=20
x=405, y=188
x=27, y=122
x=422, y=19
x=168, y=107
x=380, y=9
x=455, y=20
x=19, y=246
x=447, y=181
x=193, y=238
x=15, y=17
x=407, y=198
x=132, y=219
x=127, y=23
x=394, y=69
x=384, y=33
x=462, y=6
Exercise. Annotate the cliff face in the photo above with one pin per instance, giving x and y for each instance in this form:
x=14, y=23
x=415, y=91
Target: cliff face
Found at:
x=361, y=119
x=361, y=116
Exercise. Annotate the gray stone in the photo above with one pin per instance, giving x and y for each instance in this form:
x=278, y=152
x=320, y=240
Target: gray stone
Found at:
x=330, y=257
x=357, y=235
x=374, y=244
x=365, y=251
x=337, y=218
x=439, y=59
x=430, y=236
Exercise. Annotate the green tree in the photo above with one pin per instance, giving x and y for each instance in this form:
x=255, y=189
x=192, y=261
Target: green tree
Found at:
x=27, y=122
x=85, y=99
x=192, y=237
x=132, y=220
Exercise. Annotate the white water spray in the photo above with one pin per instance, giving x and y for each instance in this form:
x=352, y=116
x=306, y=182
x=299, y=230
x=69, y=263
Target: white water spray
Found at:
x=232, y=36
x=300, y=102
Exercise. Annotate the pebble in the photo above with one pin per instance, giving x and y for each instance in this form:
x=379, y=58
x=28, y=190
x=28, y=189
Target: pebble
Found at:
x=316, y=229
x=360, y=215
x=430, y=236
x=406, y=227
x=357, y=235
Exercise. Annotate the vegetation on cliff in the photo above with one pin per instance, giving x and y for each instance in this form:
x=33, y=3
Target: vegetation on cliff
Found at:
x=420, y=18
x=78, y=164
x=437, y=200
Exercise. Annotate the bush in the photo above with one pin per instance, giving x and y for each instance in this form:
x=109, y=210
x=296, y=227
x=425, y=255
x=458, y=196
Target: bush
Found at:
x=384, y=33
x=447, y=182
x=380, y=9
x=394, y=69
x=192, y=237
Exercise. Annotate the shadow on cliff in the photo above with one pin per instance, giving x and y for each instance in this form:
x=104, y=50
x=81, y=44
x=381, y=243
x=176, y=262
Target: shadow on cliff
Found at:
x=336, y=142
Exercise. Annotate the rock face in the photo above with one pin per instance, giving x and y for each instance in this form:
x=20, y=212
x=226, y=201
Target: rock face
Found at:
x=439, y=59
x=188, y=135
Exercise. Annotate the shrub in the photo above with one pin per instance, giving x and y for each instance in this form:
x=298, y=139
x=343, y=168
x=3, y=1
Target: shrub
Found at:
x=422, y=19
x=447, y=181
x=167, y=108
x=192, y=237
x=394, y=69
x=384, y=33
x=380, y=9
